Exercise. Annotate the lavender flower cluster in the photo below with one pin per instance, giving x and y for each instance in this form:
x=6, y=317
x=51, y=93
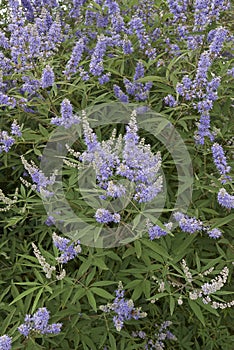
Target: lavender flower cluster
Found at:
x=155, y=231
x=129, y=158
x=38, y=323
x=40, y=180
x=193, y=225
x=69, y=250
x=201, y=88
x=158, y=341
x=5, y=342
x=7, y=141
x=221, y=162
x=67, y=118
x=124, y=309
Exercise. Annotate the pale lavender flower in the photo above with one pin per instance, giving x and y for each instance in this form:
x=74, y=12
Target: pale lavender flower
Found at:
x=214, y=233
x=47, y=78
x=96, y=63
x=120, y=94
x=75, y=58
x=105, y=78
x=170, y=101
x=15, y=129
x=38, y=177
x=155, y=231
x=104, y=216
x=69, y=250
x=124, y=309
x=6, y=141
x=5, y=342
x=187, y=224
x=220, y=161
x=139, y=71
x=219, y=36
x=178, y=9
x=127, y=46
x=67, y=118
x=30, y=85
x=38, y=322
x=225, y=199
x=231, y=72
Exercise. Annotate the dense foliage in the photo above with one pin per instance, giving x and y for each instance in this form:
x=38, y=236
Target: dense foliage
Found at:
x=116, y=190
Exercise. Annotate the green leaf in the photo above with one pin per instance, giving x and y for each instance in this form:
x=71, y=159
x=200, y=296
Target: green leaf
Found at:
x=156, y=248
x=138, y=250
x=112, y=341
x=197, y=311
x=36, y=300
x=91, y=299
x=22, y=295
x=172, y=305
x=100, y=263
x=101, y=292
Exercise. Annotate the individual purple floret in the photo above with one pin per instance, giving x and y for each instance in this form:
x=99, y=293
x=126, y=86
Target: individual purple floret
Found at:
x=67, y=118
x=187, y=224
x=50, y=220
x=214, y=233
x=231, y=72
x=47, y=78
x=42, y=182
x=38, y=322
x=69, y=250
x=127, y=46
x=137, y=89
x=105, y=78
x=225, y=199
x=6, y=100
x=220, y=161
x=156, y=232
x=170, y=101
x=5, y=342
x=104, y=216
x=114, y=190
x=124, y=309
x=139, y=71
x=120, y=94
x=6, y=141
x=15, y=129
